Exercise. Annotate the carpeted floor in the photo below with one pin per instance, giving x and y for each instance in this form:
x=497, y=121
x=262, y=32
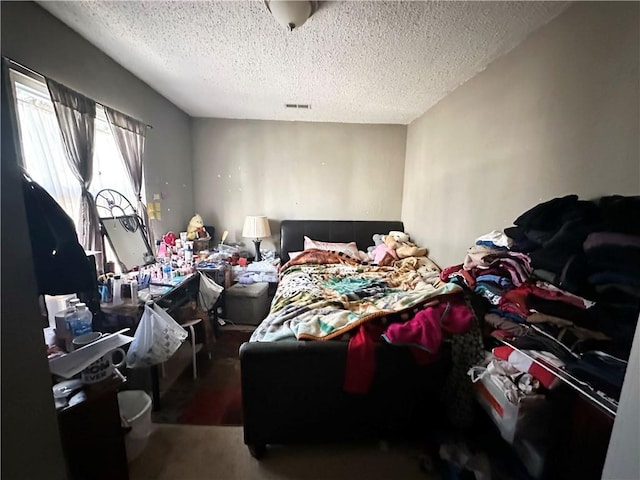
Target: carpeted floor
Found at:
x=197, y=435
x=215, y=397
x=189, y=452
x=193, y=436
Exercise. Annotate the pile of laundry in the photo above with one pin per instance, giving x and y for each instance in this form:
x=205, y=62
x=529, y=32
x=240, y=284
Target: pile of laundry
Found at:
x=565, y=280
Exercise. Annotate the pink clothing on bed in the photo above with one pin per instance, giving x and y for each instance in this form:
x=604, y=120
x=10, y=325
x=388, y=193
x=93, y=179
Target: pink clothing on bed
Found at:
x=382, y=251
x=422, y=334
x=425, y=330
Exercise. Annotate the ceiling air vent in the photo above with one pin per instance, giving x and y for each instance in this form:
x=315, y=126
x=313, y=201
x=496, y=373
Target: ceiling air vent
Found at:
x=301, y=106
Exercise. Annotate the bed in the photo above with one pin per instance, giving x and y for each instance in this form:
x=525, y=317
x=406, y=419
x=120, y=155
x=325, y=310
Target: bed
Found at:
x=293, y=371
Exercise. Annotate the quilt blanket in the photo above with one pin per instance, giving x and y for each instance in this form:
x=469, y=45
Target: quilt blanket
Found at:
x=322, y=296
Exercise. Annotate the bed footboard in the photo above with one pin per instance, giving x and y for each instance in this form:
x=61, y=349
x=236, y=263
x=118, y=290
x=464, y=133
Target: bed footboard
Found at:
x=293, y=392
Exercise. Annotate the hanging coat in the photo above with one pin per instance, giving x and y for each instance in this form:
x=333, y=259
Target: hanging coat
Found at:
x=60, y=263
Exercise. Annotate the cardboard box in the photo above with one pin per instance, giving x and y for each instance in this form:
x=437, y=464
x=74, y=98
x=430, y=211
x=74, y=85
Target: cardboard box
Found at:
x=528, y=419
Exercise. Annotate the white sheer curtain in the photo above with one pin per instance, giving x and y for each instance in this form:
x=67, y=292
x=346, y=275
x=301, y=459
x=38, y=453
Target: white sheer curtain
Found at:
x=44, y=154
x=109, y=170
x=43, y=151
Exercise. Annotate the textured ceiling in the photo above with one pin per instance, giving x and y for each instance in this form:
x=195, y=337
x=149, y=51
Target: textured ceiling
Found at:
x=363, y=62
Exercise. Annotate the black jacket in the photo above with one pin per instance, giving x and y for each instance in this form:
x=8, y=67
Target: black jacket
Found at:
x=60, y=263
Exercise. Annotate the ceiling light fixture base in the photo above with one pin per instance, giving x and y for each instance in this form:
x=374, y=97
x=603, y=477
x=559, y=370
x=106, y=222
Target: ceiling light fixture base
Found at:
x=291, y=14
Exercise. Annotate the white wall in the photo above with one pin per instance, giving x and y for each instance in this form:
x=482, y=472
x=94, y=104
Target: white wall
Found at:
x=558, y=114
x=295, y=170
x=622, y=459
x=33, y=37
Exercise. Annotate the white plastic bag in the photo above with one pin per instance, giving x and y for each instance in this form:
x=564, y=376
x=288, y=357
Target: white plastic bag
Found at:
x=157, y=337
x=208, y=293
x=514, y=384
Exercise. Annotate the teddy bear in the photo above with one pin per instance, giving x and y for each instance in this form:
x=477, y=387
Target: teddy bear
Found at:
x=380, y=253
x=196, y=229
x=392, y=247
x=378, y=239
x=399, y=242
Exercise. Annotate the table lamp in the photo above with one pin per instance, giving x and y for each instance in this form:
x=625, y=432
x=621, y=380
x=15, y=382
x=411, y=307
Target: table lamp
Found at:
x=256, y=227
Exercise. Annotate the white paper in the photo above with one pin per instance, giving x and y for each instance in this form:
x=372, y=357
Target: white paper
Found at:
x=74, y=362
x=264, y=266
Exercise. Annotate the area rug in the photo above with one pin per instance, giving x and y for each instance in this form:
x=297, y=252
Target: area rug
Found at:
x=215, y=397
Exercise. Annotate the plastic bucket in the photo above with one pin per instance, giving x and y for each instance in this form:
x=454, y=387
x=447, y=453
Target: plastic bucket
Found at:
x=135, y=411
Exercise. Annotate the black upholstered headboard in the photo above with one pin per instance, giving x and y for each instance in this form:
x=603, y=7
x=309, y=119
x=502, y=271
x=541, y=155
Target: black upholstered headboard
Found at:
x=292, y=233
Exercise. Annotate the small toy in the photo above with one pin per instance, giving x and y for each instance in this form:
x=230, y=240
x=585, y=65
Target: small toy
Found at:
x=170, y=239
x=399, y=241
x=196, y=229
x=392, y=247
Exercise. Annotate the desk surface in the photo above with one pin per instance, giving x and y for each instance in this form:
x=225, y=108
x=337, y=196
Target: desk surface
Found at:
x=158, y=292
x=161, y=289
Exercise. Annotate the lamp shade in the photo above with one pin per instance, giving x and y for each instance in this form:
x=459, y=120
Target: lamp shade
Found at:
x=256, y=227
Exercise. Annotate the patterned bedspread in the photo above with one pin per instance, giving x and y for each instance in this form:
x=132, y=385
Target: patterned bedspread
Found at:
x=322, y=295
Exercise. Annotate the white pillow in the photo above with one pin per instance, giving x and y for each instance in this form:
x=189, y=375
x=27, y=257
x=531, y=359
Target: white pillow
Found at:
x=350, y=248
x=293, y=255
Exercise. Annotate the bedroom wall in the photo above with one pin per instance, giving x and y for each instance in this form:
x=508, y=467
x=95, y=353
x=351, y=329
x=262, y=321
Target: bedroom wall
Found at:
x=295, y=170
x=556, y=115
x=28, y=414
x=33, y=37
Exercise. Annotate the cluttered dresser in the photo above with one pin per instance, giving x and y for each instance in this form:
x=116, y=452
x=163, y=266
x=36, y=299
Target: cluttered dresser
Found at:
x=113, y=323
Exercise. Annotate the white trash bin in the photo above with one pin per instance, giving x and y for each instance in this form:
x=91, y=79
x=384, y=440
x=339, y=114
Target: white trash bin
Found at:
x=135, y=411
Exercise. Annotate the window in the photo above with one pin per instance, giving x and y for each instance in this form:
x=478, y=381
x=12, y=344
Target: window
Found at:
x=44, y=155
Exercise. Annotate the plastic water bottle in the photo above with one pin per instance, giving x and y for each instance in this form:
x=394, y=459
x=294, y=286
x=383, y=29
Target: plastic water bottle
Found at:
x=72, y=302
x=167, y=273
x=80, y=321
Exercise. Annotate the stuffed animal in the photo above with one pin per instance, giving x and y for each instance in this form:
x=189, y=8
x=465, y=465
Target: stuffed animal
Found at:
x=378, y=239
x=169, y=239
x=196, y=229
x=383, y=255
x=392, y=247
x=399, y=242
x=399, y=236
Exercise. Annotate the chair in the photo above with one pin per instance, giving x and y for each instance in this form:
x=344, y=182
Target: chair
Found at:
x=192, y=336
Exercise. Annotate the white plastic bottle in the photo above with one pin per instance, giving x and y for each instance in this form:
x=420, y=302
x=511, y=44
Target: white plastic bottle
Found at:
x=117, y=290
x=188, y=253
x=134, y=292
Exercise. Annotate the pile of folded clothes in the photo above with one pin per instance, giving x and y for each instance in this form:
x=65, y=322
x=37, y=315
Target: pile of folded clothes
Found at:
x=565, y=280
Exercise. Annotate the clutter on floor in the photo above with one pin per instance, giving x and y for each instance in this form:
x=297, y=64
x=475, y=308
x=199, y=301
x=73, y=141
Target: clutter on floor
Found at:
x=214, y=398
